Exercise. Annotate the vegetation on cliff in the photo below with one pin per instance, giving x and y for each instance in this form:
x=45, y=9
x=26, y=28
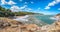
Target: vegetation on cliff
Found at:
x=7, y=12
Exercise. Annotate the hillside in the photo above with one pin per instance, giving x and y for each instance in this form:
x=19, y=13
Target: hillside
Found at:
x=7, y=12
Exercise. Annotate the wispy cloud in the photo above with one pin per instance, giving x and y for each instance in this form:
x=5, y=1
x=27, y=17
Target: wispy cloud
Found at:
x=52, y=4
x=47, y=7
x=3, y=2
x=58, y=8
x=11, y=2
x=23, y=8
x=32, y=2
x=26, y=3
x=14, y=8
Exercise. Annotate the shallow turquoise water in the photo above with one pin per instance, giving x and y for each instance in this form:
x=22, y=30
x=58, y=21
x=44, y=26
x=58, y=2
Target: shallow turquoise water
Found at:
x=45, y=18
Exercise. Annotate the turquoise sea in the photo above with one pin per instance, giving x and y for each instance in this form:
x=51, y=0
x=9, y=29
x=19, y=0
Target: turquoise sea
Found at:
x=46, y=18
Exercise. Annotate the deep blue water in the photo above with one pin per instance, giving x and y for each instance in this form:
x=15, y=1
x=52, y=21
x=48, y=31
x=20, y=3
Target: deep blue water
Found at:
x=46, y=18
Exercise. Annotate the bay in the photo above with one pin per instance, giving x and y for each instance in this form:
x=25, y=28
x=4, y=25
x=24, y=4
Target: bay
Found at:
x=46, y=18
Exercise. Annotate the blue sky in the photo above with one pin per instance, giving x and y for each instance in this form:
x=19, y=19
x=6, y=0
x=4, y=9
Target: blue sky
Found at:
x=37, y=6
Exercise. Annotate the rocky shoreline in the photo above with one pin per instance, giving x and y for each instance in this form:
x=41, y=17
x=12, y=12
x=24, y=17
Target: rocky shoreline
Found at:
x=10, y=25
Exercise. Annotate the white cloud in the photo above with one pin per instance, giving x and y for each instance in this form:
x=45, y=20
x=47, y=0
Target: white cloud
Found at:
x=47, y=7
x=14, y=8
x=57, y=1
x=52, y=4
x=23, y=8
x=3, y=2
x=29, y=9
x=11, y=2
x=58, y=8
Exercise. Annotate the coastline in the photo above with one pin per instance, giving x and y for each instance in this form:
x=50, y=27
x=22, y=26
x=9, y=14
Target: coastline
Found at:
x=30, y=24
x=36, y=21
x=30, y=19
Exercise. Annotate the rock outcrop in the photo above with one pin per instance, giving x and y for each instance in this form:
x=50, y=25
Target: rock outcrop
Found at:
x=9, y=25
x=55, y=27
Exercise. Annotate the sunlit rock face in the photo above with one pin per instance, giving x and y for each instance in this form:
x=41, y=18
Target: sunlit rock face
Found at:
x=9, y=25
x=57, y=17
x=55, y=27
